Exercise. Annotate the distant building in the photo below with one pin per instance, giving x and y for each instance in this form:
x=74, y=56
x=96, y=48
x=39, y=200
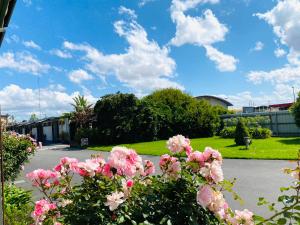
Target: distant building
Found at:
x=48, y=130
x=213, y=100
x=253, y=109
x=280, y=107
x=4, y=120
x=269, y=108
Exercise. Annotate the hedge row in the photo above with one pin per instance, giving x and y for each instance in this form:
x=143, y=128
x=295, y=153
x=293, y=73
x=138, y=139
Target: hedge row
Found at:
x=255, y=132
x=123, y=118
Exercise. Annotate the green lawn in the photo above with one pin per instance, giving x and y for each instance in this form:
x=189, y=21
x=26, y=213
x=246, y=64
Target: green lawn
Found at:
x=272, y=148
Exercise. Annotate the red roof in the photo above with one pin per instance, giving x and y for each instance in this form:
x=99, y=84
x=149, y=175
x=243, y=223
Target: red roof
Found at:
x=283, y=105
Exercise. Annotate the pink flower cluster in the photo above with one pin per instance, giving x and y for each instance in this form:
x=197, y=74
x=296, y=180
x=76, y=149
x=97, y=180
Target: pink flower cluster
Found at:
x=66, y=165
x=41, y=209
x=149, y=168
x=208, y=164
x=207, y=197
x=43, y=178
x=244, y=217
x=178, y=144
x=170, y=166
x=126, y=161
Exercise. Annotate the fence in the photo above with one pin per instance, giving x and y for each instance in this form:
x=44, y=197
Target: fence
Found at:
x=282, y=123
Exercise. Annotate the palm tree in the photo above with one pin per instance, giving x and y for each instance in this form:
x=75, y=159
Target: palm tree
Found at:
x=83, y=111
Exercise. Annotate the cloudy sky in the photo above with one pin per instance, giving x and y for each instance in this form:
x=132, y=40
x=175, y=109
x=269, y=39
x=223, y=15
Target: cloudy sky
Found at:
x=247, y=51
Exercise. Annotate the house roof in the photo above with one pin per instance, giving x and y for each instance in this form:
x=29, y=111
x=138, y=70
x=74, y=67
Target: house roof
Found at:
x=283, y=105
x=215, y=97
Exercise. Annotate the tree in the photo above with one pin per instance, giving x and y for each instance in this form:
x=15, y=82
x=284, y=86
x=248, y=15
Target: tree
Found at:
x=241, y=131
x=180, y=113
x=83, y=111
x=296, y=110
x=115, y=117
x=33, y=117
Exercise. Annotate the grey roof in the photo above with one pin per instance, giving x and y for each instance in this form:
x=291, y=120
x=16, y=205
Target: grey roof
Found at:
x=215, y=97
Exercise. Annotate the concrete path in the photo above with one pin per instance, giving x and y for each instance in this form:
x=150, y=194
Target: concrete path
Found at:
x=255, y=178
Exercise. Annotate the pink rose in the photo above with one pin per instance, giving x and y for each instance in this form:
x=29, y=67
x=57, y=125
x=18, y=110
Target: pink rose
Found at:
x=205, y=196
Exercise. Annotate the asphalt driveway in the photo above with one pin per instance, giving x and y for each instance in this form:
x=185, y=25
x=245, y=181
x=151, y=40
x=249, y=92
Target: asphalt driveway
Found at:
x=255, y=178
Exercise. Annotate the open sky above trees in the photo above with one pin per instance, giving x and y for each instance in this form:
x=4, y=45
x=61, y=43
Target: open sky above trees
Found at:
x=240, y=50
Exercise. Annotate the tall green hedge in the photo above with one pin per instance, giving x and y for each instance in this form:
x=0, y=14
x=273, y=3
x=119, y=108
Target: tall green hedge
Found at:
x=123, y=118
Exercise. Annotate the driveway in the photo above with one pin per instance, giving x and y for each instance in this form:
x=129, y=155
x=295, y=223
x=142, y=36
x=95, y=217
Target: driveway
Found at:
x=255, y=178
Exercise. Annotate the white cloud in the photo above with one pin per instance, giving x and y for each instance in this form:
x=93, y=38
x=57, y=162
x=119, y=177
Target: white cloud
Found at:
x=53, y=101
x=281, y=75
x=201, y=31
x=144, y=2
x=23, y=62
x=61, y=54
x=285, y=20
x=77, y=76
x=224, y=63
x=27, y=2
x=294, y=57
x=279, y=52
x=145, y=66
x=123, y=10
x=282, y=93
x=31, y=44
x=258, y=46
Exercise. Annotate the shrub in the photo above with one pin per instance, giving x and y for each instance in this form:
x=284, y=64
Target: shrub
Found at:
x=17, y=150
x=17, y=206
x=228, y=132
x=123, y=118
x=124, y=191
x=241, y=131
x=260, y=133
x=255, y=133
x=115, y=115
x=181, y=113
x=256, y=121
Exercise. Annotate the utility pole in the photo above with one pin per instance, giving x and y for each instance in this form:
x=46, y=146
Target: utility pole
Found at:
x=294, y=94
x=2, y=172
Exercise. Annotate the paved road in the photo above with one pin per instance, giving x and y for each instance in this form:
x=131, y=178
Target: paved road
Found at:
x=255, y=178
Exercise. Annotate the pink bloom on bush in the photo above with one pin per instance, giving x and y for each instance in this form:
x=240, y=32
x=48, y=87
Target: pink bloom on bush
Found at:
x=87, y=168
x=244, y=217
x=42, y=207
x=29, y=149
x=211, y=154
x=170, y=165
x=216, y=172
x=126, y=161
x=195, y=160
x=205, y=196
x=42, y=177
x=178, y=144
x=149, y=168
x=129, y=183
x=114, y=200
x=106, y=171
x=66, y=164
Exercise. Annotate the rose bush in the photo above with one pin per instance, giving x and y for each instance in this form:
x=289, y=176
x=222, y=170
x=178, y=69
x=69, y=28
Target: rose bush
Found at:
x=123, y=189
x=17, y=150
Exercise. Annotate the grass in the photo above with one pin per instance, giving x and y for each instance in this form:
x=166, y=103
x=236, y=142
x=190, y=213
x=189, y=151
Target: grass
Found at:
x=272, y=148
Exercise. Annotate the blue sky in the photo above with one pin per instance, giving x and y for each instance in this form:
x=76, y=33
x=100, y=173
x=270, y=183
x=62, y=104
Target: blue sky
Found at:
x=245, y=51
